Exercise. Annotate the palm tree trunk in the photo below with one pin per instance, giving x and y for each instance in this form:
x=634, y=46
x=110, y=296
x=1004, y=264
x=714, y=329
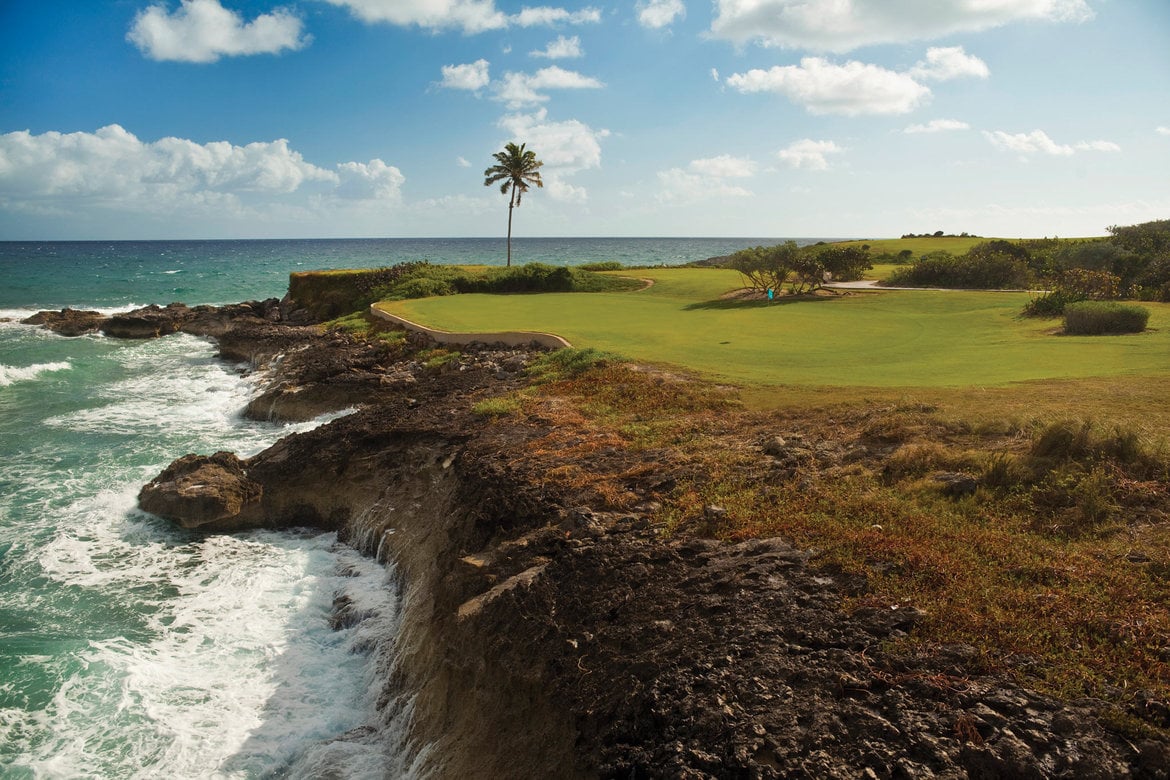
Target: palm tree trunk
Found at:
x=511, y=204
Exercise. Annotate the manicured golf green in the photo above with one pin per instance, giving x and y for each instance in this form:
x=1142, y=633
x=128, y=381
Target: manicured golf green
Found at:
x=874, y=339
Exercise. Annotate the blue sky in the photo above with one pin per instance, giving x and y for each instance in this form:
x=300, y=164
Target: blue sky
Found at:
x=336, y=118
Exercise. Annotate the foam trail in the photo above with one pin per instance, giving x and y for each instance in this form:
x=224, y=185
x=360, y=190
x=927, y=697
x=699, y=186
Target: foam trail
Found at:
x=13, y=374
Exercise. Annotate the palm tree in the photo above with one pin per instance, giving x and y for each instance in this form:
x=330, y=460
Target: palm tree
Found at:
x=517, y=169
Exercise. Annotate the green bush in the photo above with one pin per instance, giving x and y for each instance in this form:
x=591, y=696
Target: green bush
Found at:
x=985, y=267
x=608, y=265
x=1093, y=318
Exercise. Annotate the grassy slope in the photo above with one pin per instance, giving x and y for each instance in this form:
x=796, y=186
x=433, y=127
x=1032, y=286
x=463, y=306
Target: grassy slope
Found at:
x=891, y=339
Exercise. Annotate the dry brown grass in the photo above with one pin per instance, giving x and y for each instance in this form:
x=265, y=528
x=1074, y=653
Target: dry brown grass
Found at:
x=1057, y=569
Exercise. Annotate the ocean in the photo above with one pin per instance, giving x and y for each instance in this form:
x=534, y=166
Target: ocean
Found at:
x=133, y=649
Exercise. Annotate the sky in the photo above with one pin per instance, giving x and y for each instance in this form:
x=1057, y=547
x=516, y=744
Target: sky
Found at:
x=173, y=119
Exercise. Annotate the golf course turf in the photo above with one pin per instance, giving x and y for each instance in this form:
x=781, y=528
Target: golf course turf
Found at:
x=880, y=339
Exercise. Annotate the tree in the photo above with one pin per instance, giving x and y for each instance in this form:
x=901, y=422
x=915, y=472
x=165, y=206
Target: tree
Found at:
x=516, y=169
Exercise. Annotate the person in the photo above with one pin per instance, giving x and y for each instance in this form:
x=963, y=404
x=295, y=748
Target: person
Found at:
x=771, y=293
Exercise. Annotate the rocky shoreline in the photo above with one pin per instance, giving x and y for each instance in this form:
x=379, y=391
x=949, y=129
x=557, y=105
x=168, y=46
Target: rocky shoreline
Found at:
x=546, y=634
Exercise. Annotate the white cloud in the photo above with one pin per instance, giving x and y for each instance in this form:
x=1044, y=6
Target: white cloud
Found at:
x=521, y=89
x=565, y=148
x=112, y=171
x=561, y=49
x=656, y=14
x=374, y=180
x=1038, y=142
x=1162, y=130
x=462, y=162
x=715, y=75
x=546, y=16
x=704, y=179
x=468, y=16
x=724, y=166
x=843, y=25
x=470, y=76
x=204, y=31
x=823, y=87
x=943, y=63
x=938, y=126
x=810, y=154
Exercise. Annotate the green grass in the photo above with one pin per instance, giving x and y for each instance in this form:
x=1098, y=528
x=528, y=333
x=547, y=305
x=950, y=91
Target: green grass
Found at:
x=881, y=339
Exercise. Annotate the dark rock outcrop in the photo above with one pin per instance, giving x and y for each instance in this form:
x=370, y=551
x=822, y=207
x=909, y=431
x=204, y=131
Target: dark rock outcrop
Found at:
x=68, y=322
x=203, y=491
x=542, y=638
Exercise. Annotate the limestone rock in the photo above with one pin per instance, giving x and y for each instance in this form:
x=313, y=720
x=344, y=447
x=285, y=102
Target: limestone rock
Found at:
x=67, y=322
x=199, y=490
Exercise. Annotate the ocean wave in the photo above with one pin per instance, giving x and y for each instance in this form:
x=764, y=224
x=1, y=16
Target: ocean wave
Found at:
x=12, y=374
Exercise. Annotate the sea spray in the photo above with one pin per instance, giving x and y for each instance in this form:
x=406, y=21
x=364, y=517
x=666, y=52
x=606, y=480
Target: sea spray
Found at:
x=130, y=648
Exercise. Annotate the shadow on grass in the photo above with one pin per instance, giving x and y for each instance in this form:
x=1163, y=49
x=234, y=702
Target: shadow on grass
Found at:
x=758, y=303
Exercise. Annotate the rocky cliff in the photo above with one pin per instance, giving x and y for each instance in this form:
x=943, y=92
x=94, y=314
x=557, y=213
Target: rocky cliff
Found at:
x=550, y=631
x=545, y=634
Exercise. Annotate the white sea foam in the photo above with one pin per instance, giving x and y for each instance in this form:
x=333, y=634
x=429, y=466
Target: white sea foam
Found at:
x=177, y=655
x=12, y=374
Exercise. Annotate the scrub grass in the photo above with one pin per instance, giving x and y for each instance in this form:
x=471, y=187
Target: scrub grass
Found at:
x=1056, y=570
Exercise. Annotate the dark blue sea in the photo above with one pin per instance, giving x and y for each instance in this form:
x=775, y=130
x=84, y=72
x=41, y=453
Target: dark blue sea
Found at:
x=131, y=649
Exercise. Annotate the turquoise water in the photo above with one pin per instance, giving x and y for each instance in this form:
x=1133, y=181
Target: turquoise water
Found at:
x=129, y=648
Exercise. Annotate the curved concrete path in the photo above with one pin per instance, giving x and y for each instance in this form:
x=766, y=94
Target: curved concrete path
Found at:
x=510, y=338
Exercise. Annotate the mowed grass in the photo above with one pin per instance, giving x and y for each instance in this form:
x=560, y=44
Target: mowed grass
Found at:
x=888, y=339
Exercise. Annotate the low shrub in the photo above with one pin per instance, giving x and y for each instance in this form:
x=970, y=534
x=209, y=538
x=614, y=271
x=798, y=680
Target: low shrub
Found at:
x=1094, y=318
x=608, y=265
x=985, y=270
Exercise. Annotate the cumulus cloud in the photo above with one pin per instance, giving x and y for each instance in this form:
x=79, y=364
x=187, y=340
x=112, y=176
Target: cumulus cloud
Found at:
x=937, y=126
x=843, y=25
x=656, y=14
x=824, y=87
x=546, y=16
x=204, y=31
x=809, y=154
x=561, y=49
x=112, y=170
x=470, y=76
x=1161, y=130
x=943, y=63
x=725, y=166
x=467, y=16
x=566, y=147
x=462, y=162
x=1038, y=142
x=521, y=89
x=704, y=179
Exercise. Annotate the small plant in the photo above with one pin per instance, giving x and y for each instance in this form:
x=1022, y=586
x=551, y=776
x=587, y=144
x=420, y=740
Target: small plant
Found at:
x=607, y=265
x=501, y=406
x=568, y=363
x=1095, y=318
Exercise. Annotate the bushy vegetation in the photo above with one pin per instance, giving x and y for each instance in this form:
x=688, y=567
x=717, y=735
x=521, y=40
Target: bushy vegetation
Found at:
x=1094, y=318
x=992, y=265
x=423, y=280
x=1072, y=286
x=801, y=270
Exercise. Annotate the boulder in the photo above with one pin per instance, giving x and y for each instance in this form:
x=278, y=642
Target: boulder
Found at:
x=148, y=322
x=68, y=322
x=200, y=490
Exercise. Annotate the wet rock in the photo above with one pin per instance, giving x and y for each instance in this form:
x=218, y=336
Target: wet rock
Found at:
x=198, y=490
x=68, y=322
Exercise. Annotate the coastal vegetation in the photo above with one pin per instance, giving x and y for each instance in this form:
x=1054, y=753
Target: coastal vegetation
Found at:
x=939, y=445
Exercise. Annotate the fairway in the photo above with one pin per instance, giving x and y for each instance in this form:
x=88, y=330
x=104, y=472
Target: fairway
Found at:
x=869, y=339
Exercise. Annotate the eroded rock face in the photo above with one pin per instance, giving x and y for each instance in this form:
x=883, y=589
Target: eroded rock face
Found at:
x=202, y=490
x=68, y=322
x=543, y=638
